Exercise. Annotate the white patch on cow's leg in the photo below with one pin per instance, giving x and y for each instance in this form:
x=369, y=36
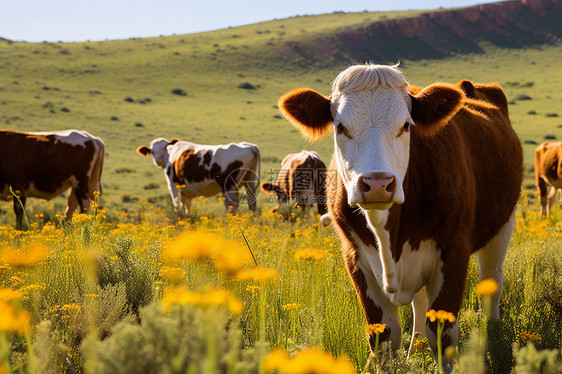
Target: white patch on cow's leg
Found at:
x=185, y=203
x=169, y=174
x=491, y=259
x=551, y=199
x=377, y=220
x=419, y=306
x=369, y=263
x=390, y=315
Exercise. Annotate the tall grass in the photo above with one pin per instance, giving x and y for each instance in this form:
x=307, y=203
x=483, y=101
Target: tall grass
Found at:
x=107, y=297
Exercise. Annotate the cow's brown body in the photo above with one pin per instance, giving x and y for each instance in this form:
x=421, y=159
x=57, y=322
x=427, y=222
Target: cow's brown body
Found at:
x=300, y=182
x=458, y=193
x=44, y=165
x=424, y=179
x=548, y=172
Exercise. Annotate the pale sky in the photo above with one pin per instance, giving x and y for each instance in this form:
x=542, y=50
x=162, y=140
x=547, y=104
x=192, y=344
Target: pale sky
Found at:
x=80, y=20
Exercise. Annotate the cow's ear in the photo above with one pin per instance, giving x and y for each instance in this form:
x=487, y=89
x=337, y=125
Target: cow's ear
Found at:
x=174, y=141
x=143, y=150
x=434, y=106
x=269, y=187
x=308, y=111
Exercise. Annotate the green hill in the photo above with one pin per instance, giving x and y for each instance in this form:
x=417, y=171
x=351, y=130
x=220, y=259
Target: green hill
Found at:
x=122, y=90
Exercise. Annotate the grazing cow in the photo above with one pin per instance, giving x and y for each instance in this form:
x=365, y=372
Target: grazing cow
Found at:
x=301, y=182
x=548, y=171
x=45, y=164
x=425, y=177
x=207, y=170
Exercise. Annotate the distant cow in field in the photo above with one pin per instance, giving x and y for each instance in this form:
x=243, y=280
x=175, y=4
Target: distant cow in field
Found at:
x=301, y=182
x=425, y=177
x=548, y=171
x=193, y=170
x=45, y=164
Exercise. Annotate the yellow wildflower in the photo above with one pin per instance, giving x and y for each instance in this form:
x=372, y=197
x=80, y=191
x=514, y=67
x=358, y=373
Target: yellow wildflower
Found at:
x=450, y=352
x=309, y=361
x=81, y=218
x=16, y=281
x=9, y=321
x=231, y=257
x=197, y=246
x=276, y=359
x=252, y=289
x=174, y=275
x=28, y=255
x=32, y=287
x=440, y=315
x=310, y=254
x=291, y=306
x=420, y=343
x=258, y=274
x=376, y=328
x=91, y=295
x=487, y=287
x=213, y=297
x=68, y=307
x=530, y=336
x=8, y=294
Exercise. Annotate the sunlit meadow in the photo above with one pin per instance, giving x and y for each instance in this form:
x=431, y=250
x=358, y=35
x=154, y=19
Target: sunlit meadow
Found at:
x=243, y=294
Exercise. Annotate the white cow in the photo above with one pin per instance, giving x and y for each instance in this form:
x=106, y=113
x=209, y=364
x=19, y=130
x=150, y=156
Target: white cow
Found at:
x=193, y=170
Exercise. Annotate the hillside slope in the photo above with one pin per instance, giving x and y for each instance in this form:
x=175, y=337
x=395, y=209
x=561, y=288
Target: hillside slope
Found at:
x=438, y=34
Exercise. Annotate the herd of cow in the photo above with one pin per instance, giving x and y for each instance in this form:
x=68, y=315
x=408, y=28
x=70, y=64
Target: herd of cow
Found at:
x=423, y=178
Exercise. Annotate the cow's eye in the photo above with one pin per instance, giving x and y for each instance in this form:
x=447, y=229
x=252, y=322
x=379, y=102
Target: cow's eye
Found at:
x=340, y=129
x=406, y=126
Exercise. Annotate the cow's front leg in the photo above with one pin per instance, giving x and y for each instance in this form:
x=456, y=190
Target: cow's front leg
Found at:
x=174, y=193
x=445, y=292
x=551, y=199
x=419, y=306
x=185, y=204
x=72, y=205
x=378, y=309
x=231, y=201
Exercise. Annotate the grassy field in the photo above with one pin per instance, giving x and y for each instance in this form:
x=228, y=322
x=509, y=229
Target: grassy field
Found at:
x=100, y=287
x=48, y=86
x=169, y=295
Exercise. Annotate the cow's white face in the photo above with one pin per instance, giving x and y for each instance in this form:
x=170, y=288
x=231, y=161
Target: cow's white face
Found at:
x=372, y=139
x=371, y=110
x=159, y=152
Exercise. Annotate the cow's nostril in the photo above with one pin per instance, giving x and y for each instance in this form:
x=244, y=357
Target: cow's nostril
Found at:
x=363, y=186
x=391, y=187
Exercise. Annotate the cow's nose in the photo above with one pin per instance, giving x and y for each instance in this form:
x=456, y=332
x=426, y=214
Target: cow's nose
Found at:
x=377, y=187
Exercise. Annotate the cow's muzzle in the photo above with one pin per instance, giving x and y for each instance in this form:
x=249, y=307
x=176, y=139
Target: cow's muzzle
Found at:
x=378, y=187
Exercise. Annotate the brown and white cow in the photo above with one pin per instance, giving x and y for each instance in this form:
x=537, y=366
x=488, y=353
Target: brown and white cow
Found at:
x=207, y=170
x=300, y=182
x=548, y=171
x=425, y=177
x=45, y=164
